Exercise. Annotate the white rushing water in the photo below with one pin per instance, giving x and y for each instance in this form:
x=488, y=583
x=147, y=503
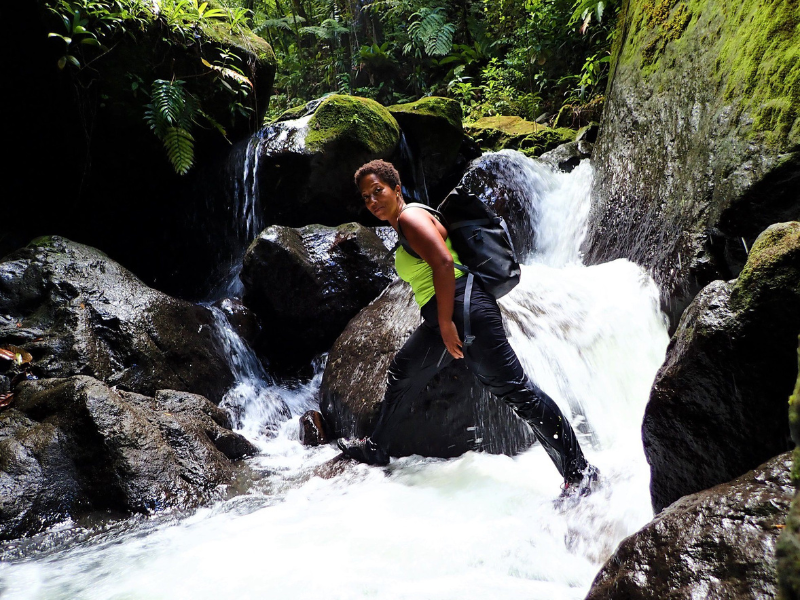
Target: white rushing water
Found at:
x=477, y=526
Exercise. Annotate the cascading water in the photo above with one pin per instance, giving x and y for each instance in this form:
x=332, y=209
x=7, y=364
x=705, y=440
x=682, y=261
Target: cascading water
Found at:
x=479, y=525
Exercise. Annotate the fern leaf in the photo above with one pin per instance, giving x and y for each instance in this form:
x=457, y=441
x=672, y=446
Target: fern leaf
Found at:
x=228, y=73
x=179, y=144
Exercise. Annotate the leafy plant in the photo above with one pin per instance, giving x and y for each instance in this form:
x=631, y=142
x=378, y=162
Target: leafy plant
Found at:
x=170, y=114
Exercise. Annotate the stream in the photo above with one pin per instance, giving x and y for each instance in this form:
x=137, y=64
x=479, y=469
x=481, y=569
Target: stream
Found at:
x=476, y=526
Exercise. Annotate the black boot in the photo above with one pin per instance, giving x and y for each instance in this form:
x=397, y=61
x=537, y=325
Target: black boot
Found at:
x=363, y=450
x=580, y=484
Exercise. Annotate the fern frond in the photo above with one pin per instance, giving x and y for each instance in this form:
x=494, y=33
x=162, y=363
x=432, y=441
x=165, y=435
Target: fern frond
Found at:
x=179, y=144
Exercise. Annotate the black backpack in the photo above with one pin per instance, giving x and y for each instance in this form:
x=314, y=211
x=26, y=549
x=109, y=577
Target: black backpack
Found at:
x=482, y=242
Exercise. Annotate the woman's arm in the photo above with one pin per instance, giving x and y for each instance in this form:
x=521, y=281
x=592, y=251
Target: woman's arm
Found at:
x=420, y=229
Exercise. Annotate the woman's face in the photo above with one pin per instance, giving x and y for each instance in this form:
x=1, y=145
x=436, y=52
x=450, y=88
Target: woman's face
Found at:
x=379, y=197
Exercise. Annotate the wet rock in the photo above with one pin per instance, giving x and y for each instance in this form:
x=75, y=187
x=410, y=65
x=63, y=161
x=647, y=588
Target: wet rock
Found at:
x=79, y=312
x=510, y=184
x=241, y=318
x=718, y=543
x=699, y=145
x=73, y=446
x=312, y=429
x=308, y=157
x=788, y=551
x=137, y=210
x=452, y=415
x=718, y=404
x=567, y=156
x=433, y=129
x=306, y=284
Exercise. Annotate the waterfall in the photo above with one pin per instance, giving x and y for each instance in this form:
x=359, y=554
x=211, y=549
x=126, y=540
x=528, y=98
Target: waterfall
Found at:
x=479, y=525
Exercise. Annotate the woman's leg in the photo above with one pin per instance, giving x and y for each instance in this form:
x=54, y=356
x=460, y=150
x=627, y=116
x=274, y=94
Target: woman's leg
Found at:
x=420, y=358
x=495, y=364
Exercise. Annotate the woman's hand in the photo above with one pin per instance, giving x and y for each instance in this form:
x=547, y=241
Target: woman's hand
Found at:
x=451, y=339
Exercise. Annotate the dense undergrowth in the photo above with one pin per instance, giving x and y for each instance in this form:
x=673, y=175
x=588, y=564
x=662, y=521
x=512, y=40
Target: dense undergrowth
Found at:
x=499, y=57
x=505, y=57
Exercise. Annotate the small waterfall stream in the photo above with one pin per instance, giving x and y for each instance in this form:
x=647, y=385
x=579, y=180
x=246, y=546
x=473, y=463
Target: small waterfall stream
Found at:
x=477, y=526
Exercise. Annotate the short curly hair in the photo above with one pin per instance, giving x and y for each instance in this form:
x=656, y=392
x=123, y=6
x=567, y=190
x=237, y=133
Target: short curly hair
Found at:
x=384, y=170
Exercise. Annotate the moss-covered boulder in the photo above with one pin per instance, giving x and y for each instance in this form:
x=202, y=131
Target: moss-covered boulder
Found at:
x=718, y=543
x=699, y=149
x=435, y=135
x=306, y=159
x=532, y=139
x=788, y=551
x=306, y=284
x=84, y=152
x=718, y=404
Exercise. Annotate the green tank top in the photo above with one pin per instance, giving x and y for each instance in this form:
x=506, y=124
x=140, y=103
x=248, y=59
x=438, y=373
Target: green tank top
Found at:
x=419, y=273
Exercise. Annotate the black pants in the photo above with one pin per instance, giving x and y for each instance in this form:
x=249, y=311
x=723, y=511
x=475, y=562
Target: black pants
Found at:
x=493, y=361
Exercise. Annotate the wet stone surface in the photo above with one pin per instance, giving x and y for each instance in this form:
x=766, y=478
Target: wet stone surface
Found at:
x=715, y=544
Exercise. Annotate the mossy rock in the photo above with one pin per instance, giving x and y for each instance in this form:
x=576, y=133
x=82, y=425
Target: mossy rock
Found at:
x=434, y=132
x=788, y=550
x=434, y=107
x=312, y=182
x=773, y=265
x=700, y=144
x=533, y=139
x=350, y=119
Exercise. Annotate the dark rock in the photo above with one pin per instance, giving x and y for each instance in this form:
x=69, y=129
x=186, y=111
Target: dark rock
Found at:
x=452, y=415
x=79, y=312
x=567, y=156
x=73, y=446
x=718, y=404
x=306, y=284
x=699, y=149
x=788, y=551
x=5, y=384
x=510, y=184
x=715, y=544
x=588, y=133
x=74, y=124
x=312, y=429
x=433, y=129
x=242, y=319
x=306, y=166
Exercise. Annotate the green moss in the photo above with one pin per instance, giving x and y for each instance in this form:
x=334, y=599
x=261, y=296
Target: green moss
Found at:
x=243, y=39
x=42, y=241
x=772, y=264
x=545, y=140
x=359, y=120
x=291, y=113
x=432, y=106
x=747, y=49
x=533, y=139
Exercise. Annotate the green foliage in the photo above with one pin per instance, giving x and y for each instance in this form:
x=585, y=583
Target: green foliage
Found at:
x=170, y=114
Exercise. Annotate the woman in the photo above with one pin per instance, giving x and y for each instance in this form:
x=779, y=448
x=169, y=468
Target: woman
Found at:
x=439, y=291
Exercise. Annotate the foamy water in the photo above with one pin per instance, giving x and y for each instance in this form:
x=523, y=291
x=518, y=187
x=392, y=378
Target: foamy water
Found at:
x=477, y=526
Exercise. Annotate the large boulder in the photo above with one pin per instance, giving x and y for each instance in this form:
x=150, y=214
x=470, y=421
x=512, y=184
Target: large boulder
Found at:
x=512, y=185
x=716, y=544
x=699, y=148
x=69, y=447
x=433, y=129
x=788, y=551
x=452, y=415
x=79, y=312
x=718, y=404
x=306, y=159
x=306, y=284
x=108, y=182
